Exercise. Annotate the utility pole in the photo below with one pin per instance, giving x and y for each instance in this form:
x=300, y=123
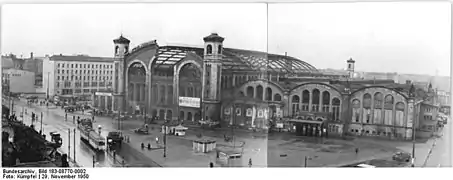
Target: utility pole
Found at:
x=41, y=124
x=69, y=142
x=232, y=126
x=48, y=85
x=74, y=140
x=165, y=141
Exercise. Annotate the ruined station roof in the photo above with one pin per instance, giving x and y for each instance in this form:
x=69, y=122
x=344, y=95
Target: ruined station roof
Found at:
x=237, y=60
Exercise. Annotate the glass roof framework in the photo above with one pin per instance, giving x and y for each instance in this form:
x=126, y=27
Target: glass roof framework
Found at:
x=235, y=60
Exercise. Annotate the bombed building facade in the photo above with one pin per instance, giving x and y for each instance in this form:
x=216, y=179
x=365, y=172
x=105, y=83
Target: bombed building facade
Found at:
x=257, y=90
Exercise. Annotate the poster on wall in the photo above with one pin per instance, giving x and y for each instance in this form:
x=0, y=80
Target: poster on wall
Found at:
x=249, y=112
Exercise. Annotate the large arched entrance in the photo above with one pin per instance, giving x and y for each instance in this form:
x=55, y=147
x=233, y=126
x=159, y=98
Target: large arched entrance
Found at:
x=136, y=88
x=190, y=89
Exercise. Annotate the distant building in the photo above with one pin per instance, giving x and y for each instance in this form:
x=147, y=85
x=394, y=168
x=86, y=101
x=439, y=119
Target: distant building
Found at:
x=18, y=81
x=35, y=64
x=76, y=76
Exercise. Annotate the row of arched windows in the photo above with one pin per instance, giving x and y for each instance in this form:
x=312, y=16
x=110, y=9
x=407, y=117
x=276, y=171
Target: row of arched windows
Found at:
x=209, y=49
x=378, y=110
x=320, y=102
x=261, y=94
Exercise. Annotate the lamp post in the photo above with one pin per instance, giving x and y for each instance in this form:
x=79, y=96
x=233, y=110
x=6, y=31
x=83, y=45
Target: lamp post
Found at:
x=165, y=141
x=41, y=125
x=308, y=158
x=47, y=95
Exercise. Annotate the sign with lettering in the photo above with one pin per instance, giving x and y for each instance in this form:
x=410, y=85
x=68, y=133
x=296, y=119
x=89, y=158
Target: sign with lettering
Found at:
x=189, y=102
x=103, y=94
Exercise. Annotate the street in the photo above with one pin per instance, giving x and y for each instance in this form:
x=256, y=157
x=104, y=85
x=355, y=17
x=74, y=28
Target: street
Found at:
x=53, y=122
x=440, y=155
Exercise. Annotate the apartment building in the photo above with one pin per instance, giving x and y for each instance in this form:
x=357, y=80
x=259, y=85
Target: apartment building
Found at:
x=70, y=76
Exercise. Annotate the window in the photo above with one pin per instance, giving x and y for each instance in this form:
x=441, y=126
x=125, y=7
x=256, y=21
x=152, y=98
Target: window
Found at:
x=350, y=66
x=58, y=65
x=58, y=71
x=84, y=66
x=220, y=49
x=72, y=65
x=62, y=65
x=209, y=49
x=76, y=65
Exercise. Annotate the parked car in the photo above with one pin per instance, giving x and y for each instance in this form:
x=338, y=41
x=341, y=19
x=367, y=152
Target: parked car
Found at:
x=402, y=156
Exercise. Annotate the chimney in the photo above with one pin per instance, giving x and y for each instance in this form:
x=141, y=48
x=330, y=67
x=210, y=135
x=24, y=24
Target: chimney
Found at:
x=31, y=55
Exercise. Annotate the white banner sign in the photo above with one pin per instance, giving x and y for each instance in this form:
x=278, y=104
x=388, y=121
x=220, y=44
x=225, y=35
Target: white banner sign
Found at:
x=103, y=94
x=189, y=102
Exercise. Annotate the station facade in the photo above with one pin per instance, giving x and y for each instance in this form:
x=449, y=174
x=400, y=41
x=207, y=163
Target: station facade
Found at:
x=258, y=90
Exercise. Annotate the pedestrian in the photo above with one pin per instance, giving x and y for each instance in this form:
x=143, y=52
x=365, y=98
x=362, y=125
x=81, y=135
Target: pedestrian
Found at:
x=250, y=162
x=356, y=151
x=157, y=140
x=66, y=116
x=211, y=165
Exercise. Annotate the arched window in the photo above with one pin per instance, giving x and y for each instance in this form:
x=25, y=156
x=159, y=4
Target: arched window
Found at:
x=220, y=49
x=126, y=49
x=181, y=115
x=268, y=94
x=325, y=101
x=162, y=94
x=182, y=91
x=315, y=100
x=366, y=108
x=277, y=97
x=399, y=114
x=388, y=110
x=116, y=49
x=189, y=116
x=250, y=92
x=295, y=104
x=356, y=110
x=259, y=92
x=305, y=100
x=378, y=102
x=208, y=49
x=169, y=114
x=336, y=109
x=170, y=96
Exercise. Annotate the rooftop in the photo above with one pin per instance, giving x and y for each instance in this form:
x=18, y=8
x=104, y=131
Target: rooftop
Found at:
x=233, y=59
x=81, y=58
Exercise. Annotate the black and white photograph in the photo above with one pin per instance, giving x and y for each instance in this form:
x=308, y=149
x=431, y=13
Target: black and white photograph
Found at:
x=226, y=85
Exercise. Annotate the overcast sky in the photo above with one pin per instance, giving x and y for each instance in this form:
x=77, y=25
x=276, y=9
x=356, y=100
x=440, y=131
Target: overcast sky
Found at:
x=382, y=37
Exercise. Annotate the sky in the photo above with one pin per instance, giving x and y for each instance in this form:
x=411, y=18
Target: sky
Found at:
x=382, y=37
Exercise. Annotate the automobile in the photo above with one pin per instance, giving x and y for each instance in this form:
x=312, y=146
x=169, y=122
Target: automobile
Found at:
x=141, y=130
x=402, y=156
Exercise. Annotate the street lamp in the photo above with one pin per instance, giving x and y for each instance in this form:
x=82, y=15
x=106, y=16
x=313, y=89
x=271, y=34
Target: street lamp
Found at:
x=165, y=141
x=308, y=158
x=47, y=85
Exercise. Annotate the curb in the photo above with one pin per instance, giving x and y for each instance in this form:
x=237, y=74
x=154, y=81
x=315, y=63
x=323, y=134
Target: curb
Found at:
x=429, y=153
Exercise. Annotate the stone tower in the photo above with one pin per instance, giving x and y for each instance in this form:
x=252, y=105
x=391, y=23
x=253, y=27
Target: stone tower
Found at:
x=212, y=72
x=121, y=48
x=350, y=67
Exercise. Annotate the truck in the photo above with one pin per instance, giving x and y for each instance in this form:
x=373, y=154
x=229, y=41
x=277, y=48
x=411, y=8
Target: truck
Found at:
x=92, y=138
x=114, y=138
